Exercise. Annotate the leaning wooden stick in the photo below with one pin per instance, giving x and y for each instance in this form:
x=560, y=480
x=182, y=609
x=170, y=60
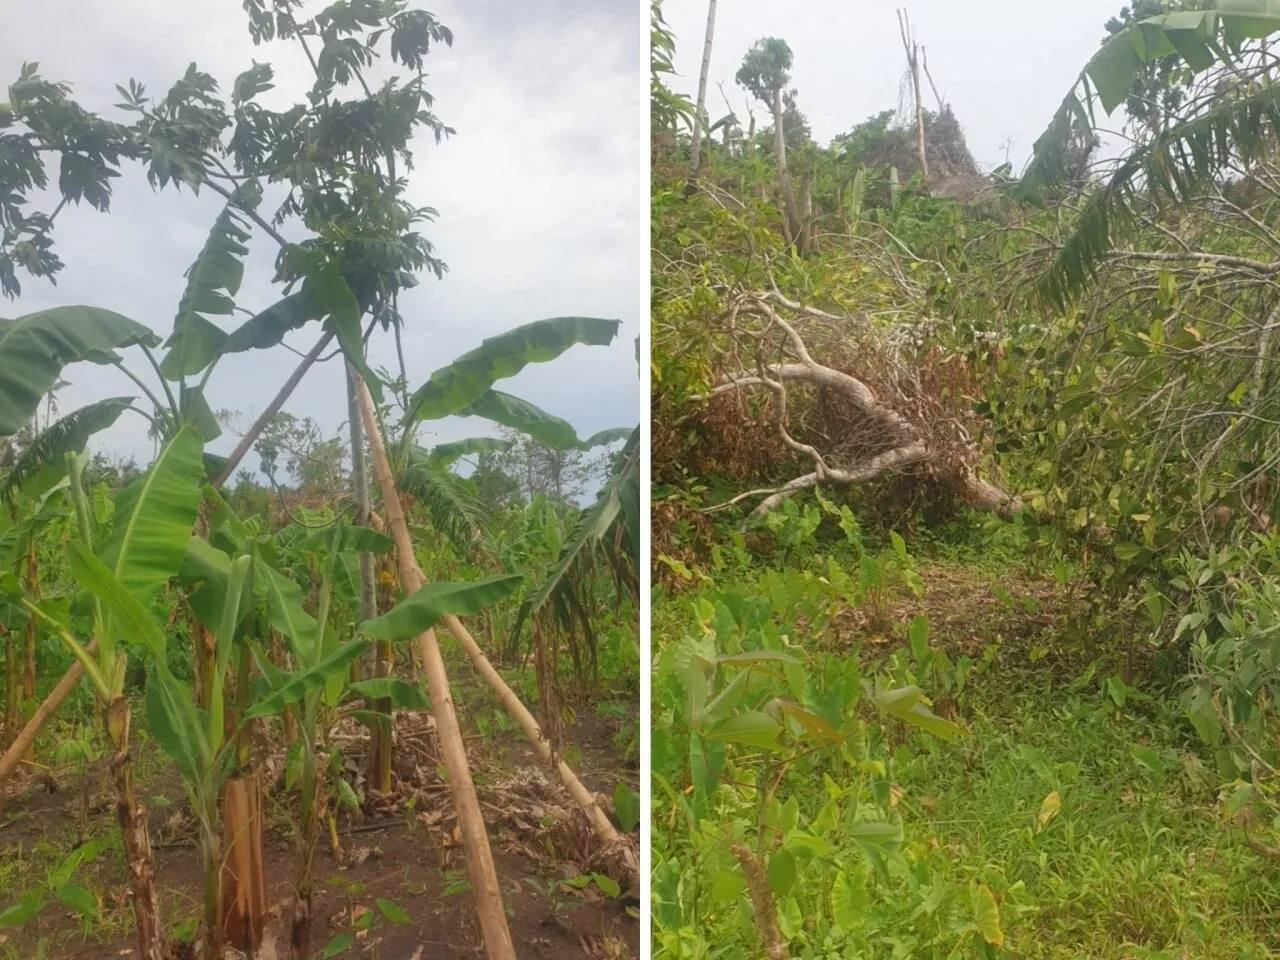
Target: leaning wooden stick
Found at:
x=583, y=797
x=17, y=750
x=475, y=837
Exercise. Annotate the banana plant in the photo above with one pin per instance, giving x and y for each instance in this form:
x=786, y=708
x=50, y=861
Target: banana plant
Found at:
x=1239, y=122
x=151, y=524
x=608, y=532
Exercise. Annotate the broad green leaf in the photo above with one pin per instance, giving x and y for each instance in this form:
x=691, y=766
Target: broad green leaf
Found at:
x=444, y=454
x=986, y=916
x=154, y=517
x=751, y=728
x=34, y=348
x=782, y=871
x=267, y=329
x=343, y=941
x=287, y=615
x=509, y=411
x=408, y=696
x=330, y=288
x=134, y=621
x=172, y=720
x=196, y=411
x=626, y=805
x=453, y=388
x=19, y=913
x=753, y=657
x=418, y=613
x=212, y=283
x=849, y=899
x=608, y=886
x=1050, y=807
x=393, y=912
x=78, y=899
x=875, y=833
x=606, y=437
x=224, y=639
x=295, y=686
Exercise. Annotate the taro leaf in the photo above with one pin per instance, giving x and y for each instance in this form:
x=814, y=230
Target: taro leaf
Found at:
x=34, y=348
x=154, y=516
x=418, y=613
x=408, y=696
x=343, y=941
x=626, y=804
x=849, y=899
x=986, y=916
x=453, y=388
x=78, y=899
x=19, y=913
x=393, y=912
x=295, y=686
x=752, y=728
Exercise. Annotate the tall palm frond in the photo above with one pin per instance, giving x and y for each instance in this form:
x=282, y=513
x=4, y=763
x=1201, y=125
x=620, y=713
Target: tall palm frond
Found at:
x=68, y=435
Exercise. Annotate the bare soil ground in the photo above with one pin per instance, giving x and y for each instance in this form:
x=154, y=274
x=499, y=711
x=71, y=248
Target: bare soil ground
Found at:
x=401, y=848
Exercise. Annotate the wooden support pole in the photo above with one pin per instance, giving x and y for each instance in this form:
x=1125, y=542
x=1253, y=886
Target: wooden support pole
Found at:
x=475, y=838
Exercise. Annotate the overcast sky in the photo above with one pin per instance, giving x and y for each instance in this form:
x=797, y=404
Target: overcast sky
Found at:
x=1004, y=65
x=539, y=197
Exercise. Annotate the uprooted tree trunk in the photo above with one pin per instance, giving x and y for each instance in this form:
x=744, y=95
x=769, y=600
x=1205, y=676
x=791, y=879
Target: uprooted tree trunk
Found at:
x=902, y=427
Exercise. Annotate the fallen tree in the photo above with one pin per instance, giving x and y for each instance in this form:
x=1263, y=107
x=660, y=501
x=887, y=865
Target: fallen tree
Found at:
x=875, y=406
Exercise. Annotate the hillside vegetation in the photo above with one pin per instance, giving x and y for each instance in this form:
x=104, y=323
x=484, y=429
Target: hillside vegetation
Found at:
x=964, y=515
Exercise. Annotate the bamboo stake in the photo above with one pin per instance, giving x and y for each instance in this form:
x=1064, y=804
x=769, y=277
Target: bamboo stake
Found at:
x=583, y=797
x=475, y=838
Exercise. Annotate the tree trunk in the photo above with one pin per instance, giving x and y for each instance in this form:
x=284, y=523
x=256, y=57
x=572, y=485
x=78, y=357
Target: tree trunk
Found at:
x=700, y=114
x=133, y=829
x=790, y=209
x=913, y=64
x=273, y=408
x=475, y=838
x=244, y=892
x=380, y=744
x=762, y=906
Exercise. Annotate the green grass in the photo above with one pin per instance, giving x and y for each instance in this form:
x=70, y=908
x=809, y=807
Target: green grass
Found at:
x=1136, y=861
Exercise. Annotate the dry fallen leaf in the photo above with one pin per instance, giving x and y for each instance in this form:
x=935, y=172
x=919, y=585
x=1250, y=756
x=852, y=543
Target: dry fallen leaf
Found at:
x=1050, y=807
